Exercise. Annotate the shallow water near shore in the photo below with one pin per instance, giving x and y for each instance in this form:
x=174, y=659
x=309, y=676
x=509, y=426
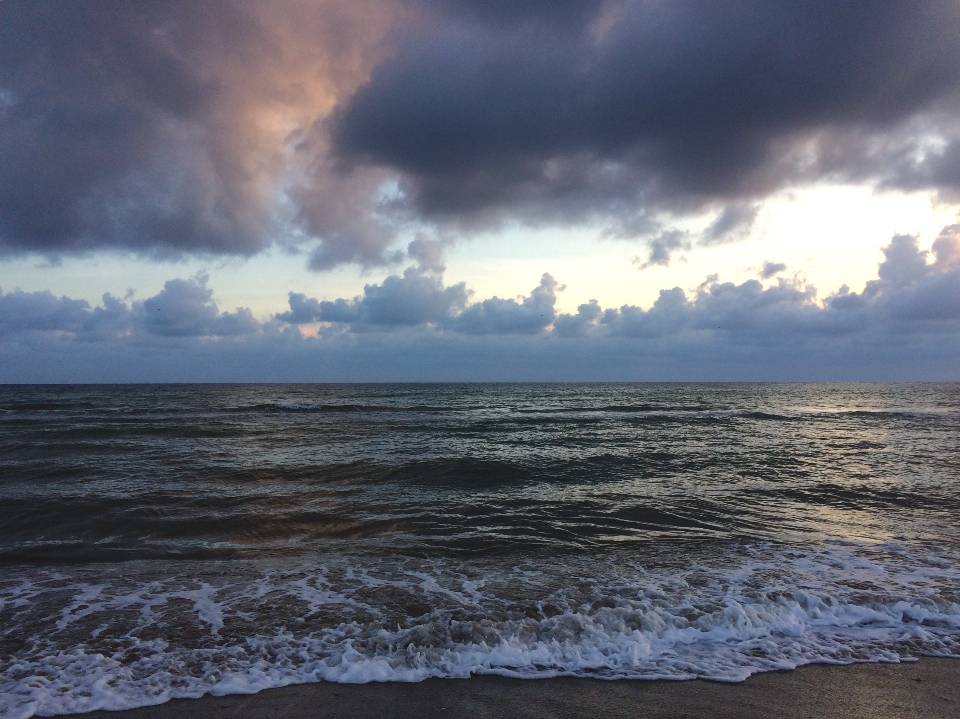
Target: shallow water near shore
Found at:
x=171, y=541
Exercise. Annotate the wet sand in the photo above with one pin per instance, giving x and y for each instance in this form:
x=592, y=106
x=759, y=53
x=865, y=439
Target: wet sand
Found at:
x=928, y=688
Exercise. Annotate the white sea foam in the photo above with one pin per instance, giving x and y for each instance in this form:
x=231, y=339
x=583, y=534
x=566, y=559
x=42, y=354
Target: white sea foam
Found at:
x=135, y=637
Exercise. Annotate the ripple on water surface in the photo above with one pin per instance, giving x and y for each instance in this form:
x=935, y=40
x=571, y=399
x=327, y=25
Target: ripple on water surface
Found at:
x=178, y=540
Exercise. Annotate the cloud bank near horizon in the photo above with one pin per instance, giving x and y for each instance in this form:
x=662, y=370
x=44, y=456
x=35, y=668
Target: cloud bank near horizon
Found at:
x=333, y=126
x=414, y=327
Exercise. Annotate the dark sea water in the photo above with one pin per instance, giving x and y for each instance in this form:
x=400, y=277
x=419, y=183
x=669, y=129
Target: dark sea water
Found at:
x=171, y=541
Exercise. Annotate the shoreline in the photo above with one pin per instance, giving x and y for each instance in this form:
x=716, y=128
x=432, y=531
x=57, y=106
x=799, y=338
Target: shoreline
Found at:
x=926, y=689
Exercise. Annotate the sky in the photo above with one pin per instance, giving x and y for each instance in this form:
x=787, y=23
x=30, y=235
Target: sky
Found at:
x=467, y=190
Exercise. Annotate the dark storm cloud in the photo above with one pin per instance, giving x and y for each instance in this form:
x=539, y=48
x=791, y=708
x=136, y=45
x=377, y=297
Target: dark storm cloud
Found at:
x=507, y=12
x=943, y=171
x=225, y=126
x=169, y=127
x=91, y=90
x=676, y=106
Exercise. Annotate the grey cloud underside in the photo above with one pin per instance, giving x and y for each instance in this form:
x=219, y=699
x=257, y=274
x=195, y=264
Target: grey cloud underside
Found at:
x=650, y=105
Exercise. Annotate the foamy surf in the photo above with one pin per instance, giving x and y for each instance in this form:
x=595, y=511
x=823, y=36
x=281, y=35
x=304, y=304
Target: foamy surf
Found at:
x=132, y=635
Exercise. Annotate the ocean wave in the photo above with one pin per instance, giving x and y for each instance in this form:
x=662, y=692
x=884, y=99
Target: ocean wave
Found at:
x=312, y=407
x=91, y=640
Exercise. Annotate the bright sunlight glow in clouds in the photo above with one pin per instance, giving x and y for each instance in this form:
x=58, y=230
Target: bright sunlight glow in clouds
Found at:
x=328, y=190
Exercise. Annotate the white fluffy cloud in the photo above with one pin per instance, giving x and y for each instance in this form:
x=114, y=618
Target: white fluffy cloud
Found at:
x=904, y=324
x=910, y=289
x=183, y=308
x=416, y=298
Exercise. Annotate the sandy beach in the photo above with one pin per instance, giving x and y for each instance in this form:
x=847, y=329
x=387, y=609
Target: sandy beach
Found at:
x=925, y=689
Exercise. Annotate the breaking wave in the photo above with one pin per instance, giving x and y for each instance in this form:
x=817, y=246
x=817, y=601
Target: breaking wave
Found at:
x=132, y=635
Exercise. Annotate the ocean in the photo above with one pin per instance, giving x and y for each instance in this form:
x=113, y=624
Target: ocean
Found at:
x=177, y=540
